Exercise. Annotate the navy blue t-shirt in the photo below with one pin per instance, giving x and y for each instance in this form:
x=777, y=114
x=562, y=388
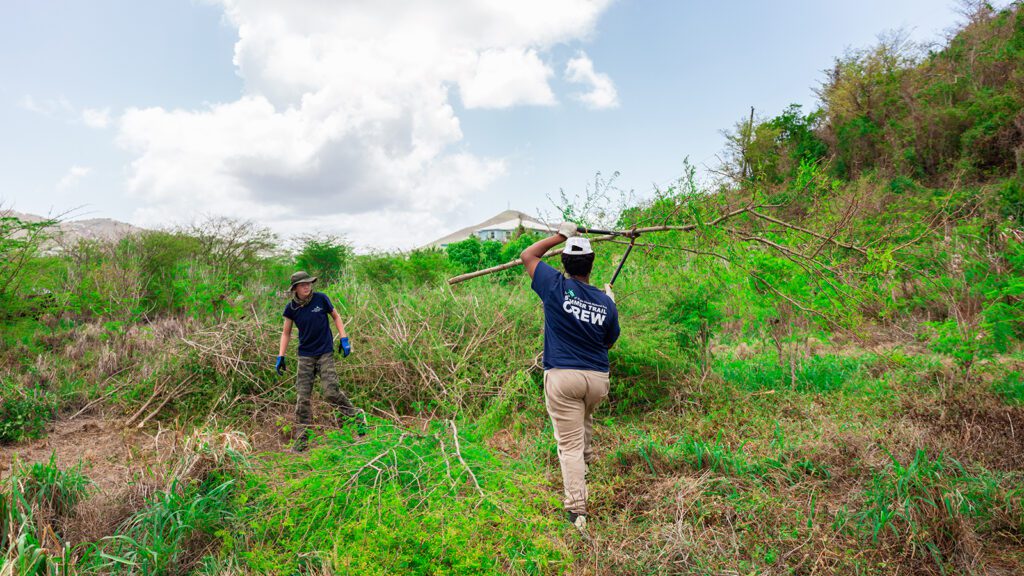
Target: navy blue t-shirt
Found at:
x=314, y=326
x=580, y=321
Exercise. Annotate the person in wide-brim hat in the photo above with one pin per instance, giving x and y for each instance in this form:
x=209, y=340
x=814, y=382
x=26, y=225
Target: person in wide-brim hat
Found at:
x=312, y=313
x=301, y=277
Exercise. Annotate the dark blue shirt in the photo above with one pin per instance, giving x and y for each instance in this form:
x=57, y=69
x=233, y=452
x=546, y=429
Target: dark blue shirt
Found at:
x=580, y=321
x=314, y=326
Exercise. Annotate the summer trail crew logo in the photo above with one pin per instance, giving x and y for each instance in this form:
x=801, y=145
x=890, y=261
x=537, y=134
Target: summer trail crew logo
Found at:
x=317, y=309
x=584, y=311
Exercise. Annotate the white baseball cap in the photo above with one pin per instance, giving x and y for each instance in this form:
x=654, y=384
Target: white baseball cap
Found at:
x=577, y=246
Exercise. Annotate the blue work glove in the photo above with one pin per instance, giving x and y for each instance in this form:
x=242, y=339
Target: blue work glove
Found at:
x=281, y=366
x=344, y=347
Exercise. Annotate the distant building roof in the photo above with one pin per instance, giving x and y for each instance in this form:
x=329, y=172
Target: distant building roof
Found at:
x=514, y=224
x=500, y=218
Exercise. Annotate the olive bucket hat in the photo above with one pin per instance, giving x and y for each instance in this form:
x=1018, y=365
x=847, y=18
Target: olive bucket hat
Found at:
x=300, y=277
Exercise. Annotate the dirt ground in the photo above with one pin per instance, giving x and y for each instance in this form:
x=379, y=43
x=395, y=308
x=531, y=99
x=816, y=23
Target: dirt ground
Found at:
x=110, y=454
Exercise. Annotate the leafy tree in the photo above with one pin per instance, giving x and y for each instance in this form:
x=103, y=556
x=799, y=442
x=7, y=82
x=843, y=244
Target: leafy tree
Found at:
x=466, y=255
x=20, y=242
x=427, y=266
x=324, y=256
x=694, y=313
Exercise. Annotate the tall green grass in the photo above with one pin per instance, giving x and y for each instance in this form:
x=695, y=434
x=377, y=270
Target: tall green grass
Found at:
x=171, y=533
x=817, y=374
x=34, y=501
x=940, y=508
x=681, y=453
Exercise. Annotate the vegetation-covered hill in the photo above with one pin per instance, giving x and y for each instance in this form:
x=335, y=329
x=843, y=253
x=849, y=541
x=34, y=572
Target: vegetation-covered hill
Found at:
x=820, y=369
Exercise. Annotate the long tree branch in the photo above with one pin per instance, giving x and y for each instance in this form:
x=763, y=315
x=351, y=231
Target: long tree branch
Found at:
x=605, y=238
x=820, y=236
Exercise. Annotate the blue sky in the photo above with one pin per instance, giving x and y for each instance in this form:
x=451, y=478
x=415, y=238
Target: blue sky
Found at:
x=398, y=122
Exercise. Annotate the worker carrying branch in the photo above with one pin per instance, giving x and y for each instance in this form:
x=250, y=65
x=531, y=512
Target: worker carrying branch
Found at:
x=310, y=311
x=581, y=323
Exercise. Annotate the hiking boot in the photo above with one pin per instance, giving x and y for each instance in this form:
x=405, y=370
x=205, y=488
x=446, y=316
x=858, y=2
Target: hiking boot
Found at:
x=578, y=520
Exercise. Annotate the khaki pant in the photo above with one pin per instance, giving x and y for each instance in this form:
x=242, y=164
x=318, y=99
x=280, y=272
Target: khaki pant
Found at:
x=309, y=368
x=571, y=396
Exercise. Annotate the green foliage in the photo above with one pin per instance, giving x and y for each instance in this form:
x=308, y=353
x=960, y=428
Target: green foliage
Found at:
x=20, y=242
x=965, y=344
x=195, y=272
x=902, y=185
x=402, y=502
x=514, y=397
x=471, y=254
x=893, y=108
x=1011, y=199
x=817, y=374
x=642, y=376
x=24, y=411
x=1011, y=388
x=427, y=266
x=379, y=269
x=325, y=257
x=694, y=313
x=773, y=151
x=466, y=255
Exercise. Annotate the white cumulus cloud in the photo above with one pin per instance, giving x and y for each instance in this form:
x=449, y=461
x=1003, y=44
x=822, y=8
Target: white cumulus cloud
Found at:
x=602, y=94
x=346, y=120
x=73, y=177
x=505, y=78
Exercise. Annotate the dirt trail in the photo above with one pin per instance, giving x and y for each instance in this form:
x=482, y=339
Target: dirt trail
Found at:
x=111, y=455
x=118, y=460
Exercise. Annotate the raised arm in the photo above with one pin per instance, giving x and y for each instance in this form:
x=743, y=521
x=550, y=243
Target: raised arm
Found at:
x=533, y=253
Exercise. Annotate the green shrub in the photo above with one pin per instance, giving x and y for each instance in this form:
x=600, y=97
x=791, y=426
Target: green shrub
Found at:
x=694, y=314
x=24, y=412
x=1010, y=388
x=325, y=257
x=902, y=185
x=20, y=242
x=465, y=255
x=401, y=501
x=427, y=266
x=642, y=375
x=1011, y=199
x=379, y=269
x=504, y=407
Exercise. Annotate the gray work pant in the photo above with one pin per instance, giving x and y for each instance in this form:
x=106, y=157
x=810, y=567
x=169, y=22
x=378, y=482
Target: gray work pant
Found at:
x=309, y=368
